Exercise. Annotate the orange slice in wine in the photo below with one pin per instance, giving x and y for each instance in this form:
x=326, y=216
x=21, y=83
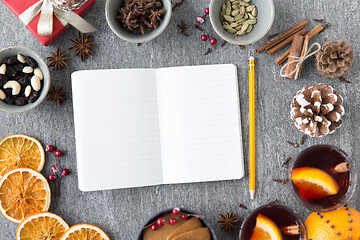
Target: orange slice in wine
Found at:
x=313, y=183
x=266, y=229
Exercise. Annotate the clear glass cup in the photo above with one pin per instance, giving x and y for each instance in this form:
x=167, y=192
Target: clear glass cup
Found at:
x=331, y=169
x=67, y=5
x=284, y=218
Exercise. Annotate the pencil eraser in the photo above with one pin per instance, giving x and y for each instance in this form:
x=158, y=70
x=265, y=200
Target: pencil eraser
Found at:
x=251, y=58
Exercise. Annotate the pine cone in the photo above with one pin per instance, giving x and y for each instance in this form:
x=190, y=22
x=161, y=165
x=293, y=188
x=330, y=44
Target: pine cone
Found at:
x=334, y=59
x=68, y=4
x=317, y=110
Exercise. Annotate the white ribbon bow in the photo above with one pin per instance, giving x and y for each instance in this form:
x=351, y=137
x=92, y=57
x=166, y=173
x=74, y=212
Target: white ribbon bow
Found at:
x=46, y=10
x=299, y=61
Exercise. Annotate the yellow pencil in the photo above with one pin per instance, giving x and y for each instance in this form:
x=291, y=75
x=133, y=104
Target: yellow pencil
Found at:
x=252, y=126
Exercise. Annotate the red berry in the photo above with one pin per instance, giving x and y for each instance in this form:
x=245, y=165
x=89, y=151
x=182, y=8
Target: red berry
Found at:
x=58, y=153
x=184, y=216
x=65, y=172
x=160, y=222
x=176, y=211
x=52, y=177
x=206, y=11
x=154, y=227
x=200, y=20
x=204, y=37
x=53, y=168
x=213, y=41
x=50, y=148
x=172, y=221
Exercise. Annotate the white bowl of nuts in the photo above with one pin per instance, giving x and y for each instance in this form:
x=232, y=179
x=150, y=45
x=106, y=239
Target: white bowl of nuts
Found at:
x=24, y=79
x=242, y=22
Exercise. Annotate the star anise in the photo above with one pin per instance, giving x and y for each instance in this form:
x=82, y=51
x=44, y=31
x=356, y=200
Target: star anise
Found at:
x=228, y=221
x=57, y=60
x=156, y=16
x=82, y=46
x=56, y=95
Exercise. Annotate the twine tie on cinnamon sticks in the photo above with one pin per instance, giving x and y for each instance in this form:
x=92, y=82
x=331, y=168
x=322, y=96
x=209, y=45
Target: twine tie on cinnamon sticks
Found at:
x=299, y=61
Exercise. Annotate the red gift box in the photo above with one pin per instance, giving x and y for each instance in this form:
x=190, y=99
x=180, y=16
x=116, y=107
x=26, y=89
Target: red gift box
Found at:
x=18, y=7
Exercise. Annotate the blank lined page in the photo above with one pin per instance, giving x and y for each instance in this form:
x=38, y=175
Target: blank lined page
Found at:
x=200, y=129
x=116, y=129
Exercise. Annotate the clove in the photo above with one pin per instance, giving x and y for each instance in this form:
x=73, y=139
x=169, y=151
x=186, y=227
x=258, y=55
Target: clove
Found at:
x=287, y=161
x=208, y=51
x=295, y=145
x=273, y=35
x=242, y=206
x=178, y=4
x=303, y=137
x=342, y=78
x=281, y=181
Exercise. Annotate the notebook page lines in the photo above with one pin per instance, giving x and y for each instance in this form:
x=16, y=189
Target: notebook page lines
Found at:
x=116, y=129
x=199, y=123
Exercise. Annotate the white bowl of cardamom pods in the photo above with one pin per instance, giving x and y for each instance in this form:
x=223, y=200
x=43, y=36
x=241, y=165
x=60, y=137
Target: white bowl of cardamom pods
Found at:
x=242, y=22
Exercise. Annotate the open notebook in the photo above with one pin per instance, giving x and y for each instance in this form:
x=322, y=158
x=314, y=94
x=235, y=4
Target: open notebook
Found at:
x=140, y=127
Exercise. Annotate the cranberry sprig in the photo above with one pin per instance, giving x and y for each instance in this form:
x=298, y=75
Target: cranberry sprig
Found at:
x=56, y=175
x=172, y=220
x=205, y=36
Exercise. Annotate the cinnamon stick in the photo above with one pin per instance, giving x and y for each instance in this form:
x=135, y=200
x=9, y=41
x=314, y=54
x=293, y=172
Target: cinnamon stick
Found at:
x=312, y=33
x=284, y=43
x=283, y=57
x=283, y=36
x=303, y=51
x=295, y=51
x=343, y=167
x=291, y=230
x=317, y=29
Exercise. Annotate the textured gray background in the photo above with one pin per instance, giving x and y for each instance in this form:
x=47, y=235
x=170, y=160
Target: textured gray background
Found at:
x=121, y=212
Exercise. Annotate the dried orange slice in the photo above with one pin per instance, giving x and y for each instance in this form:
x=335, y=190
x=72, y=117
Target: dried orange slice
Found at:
x=20, y=151
x=23, y=192
x=266, y=229
x=41, y=226
x=85, y=231
x=313, y=183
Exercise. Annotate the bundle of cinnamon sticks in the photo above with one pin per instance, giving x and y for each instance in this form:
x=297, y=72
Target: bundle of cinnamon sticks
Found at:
x=298, y=37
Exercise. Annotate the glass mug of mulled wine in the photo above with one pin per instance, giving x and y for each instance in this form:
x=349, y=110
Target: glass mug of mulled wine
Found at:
x=323, y=178
x=273, y=221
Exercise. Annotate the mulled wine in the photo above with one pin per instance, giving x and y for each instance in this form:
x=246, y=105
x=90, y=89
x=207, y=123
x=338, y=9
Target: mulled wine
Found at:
x=322, y=177
x=273, y=220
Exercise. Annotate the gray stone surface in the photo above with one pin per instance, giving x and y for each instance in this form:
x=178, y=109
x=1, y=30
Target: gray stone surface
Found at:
x=121, y=212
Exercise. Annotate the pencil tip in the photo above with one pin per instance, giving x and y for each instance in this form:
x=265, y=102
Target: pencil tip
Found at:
x=251, y=58
x=252, y=194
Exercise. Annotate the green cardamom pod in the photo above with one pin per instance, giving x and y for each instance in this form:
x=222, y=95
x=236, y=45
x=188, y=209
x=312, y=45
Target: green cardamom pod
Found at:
x=231, y=30
x=250, y=28
x=235, y=6
x=239, y=33
x=244, y=27
x=238, y=17
x=235, y=12
x=250, y=21
x=223, y=8
x=254, y=12
x=250, y=8
x=229, y=19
